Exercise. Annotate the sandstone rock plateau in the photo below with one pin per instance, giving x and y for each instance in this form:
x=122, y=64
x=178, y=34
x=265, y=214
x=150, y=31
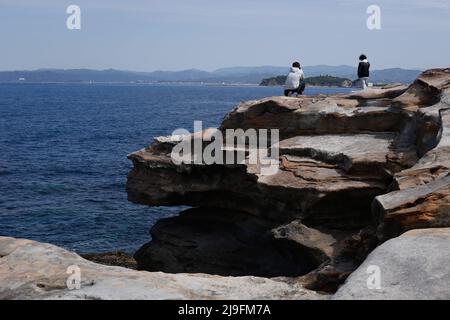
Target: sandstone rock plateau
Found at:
x=354, y=171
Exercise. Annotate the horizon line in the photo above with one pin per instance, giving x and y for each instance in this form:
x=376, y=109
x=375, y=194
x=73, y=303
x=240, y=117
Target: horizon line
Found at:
x=203, y=70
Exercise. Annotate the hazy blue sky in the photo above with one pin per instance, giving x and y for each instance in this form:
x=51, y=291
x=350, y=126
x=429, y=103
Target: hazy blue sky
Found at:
x=208, y=34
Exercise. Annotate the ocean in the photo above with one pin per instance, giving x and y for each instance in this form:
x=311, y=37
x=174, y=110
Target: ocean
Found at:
x=63, y=155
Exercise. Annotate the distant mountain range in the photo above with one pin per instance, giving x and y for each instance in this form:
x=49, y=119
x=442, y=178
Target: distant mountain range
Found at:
x=234, y=75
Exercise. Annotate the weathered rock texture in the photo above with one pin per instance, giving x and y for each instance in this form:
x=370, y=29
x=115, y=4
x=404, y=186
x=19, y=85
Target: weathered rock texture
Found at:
x=354, y=171
x=224, y=242
x=32, y=270
x=421, y=194
x=414, y=266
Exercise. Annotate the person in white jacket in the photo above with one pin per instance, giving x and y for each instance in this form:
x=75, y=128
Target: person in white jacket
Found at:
x=295, y=80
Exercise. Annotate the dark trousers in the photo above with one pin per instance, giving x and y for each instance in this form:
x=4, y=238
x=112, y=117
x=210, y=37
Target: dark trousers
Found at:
x=299, y=90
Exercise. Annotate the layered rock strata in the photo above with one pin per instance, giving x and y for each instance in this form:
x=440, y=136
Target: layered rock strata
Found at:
x=354, y=170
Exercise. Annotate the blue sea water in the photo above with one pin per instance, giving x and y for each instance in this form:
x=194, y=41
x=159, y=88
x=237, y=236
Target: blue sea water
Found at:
x=63, y=148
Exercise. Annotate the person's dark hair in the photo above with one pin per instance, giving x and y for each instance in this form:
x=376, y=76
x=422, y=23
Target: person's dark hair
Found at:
x=362, y=57
x=296, y=64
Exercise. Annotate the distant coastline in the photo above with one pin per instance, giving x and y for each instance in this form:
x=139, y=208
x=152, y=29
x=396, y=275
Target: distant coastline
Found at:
x=162, y=83
x=320, y=81
x=226, y=76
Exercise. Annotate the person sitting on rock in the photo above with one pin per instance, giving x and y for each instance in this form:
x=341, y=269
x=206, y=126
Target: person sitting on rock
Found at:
x=363, y=71
x=295, y=81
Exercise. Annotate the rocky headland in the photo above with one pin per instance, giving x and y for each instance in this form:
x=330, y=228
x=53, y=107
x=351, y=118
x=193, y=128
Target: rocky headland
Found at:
x=363, y=180
x=319, y=81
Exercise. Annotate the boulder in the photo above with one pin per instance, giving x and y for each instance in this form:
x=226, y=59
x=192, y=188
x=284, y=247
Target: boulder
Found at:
x=414, y=266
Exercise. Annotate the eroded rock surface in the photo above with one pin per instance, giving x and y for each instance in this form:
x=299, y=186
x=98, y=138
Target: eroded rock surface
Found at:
x=315, y=115
x=354, y=171
x=421, y=196
x=415, y=266
x=33, y=270
x=223, y=242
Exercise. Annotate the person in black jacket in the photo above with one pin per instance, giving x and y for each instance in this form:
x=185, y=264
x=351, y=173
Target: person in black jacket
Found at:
x=363, y=71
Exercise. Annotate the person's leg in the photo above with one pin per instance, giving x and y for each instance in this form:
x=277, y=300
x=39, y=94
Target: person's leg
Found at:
x=363, y=83
x=301, y=88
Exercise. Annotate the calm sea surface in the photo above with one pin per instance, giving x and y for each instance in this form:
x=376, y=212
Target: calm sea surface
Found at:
x=63, y=149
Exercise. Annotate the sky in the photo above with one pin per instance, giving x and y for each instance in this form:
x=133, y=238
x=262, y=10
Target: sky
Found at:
x=209, y=34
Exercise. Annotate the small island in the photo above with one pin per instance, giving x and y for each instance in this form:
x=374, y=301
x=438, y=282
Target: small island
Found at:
x=319, y=81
